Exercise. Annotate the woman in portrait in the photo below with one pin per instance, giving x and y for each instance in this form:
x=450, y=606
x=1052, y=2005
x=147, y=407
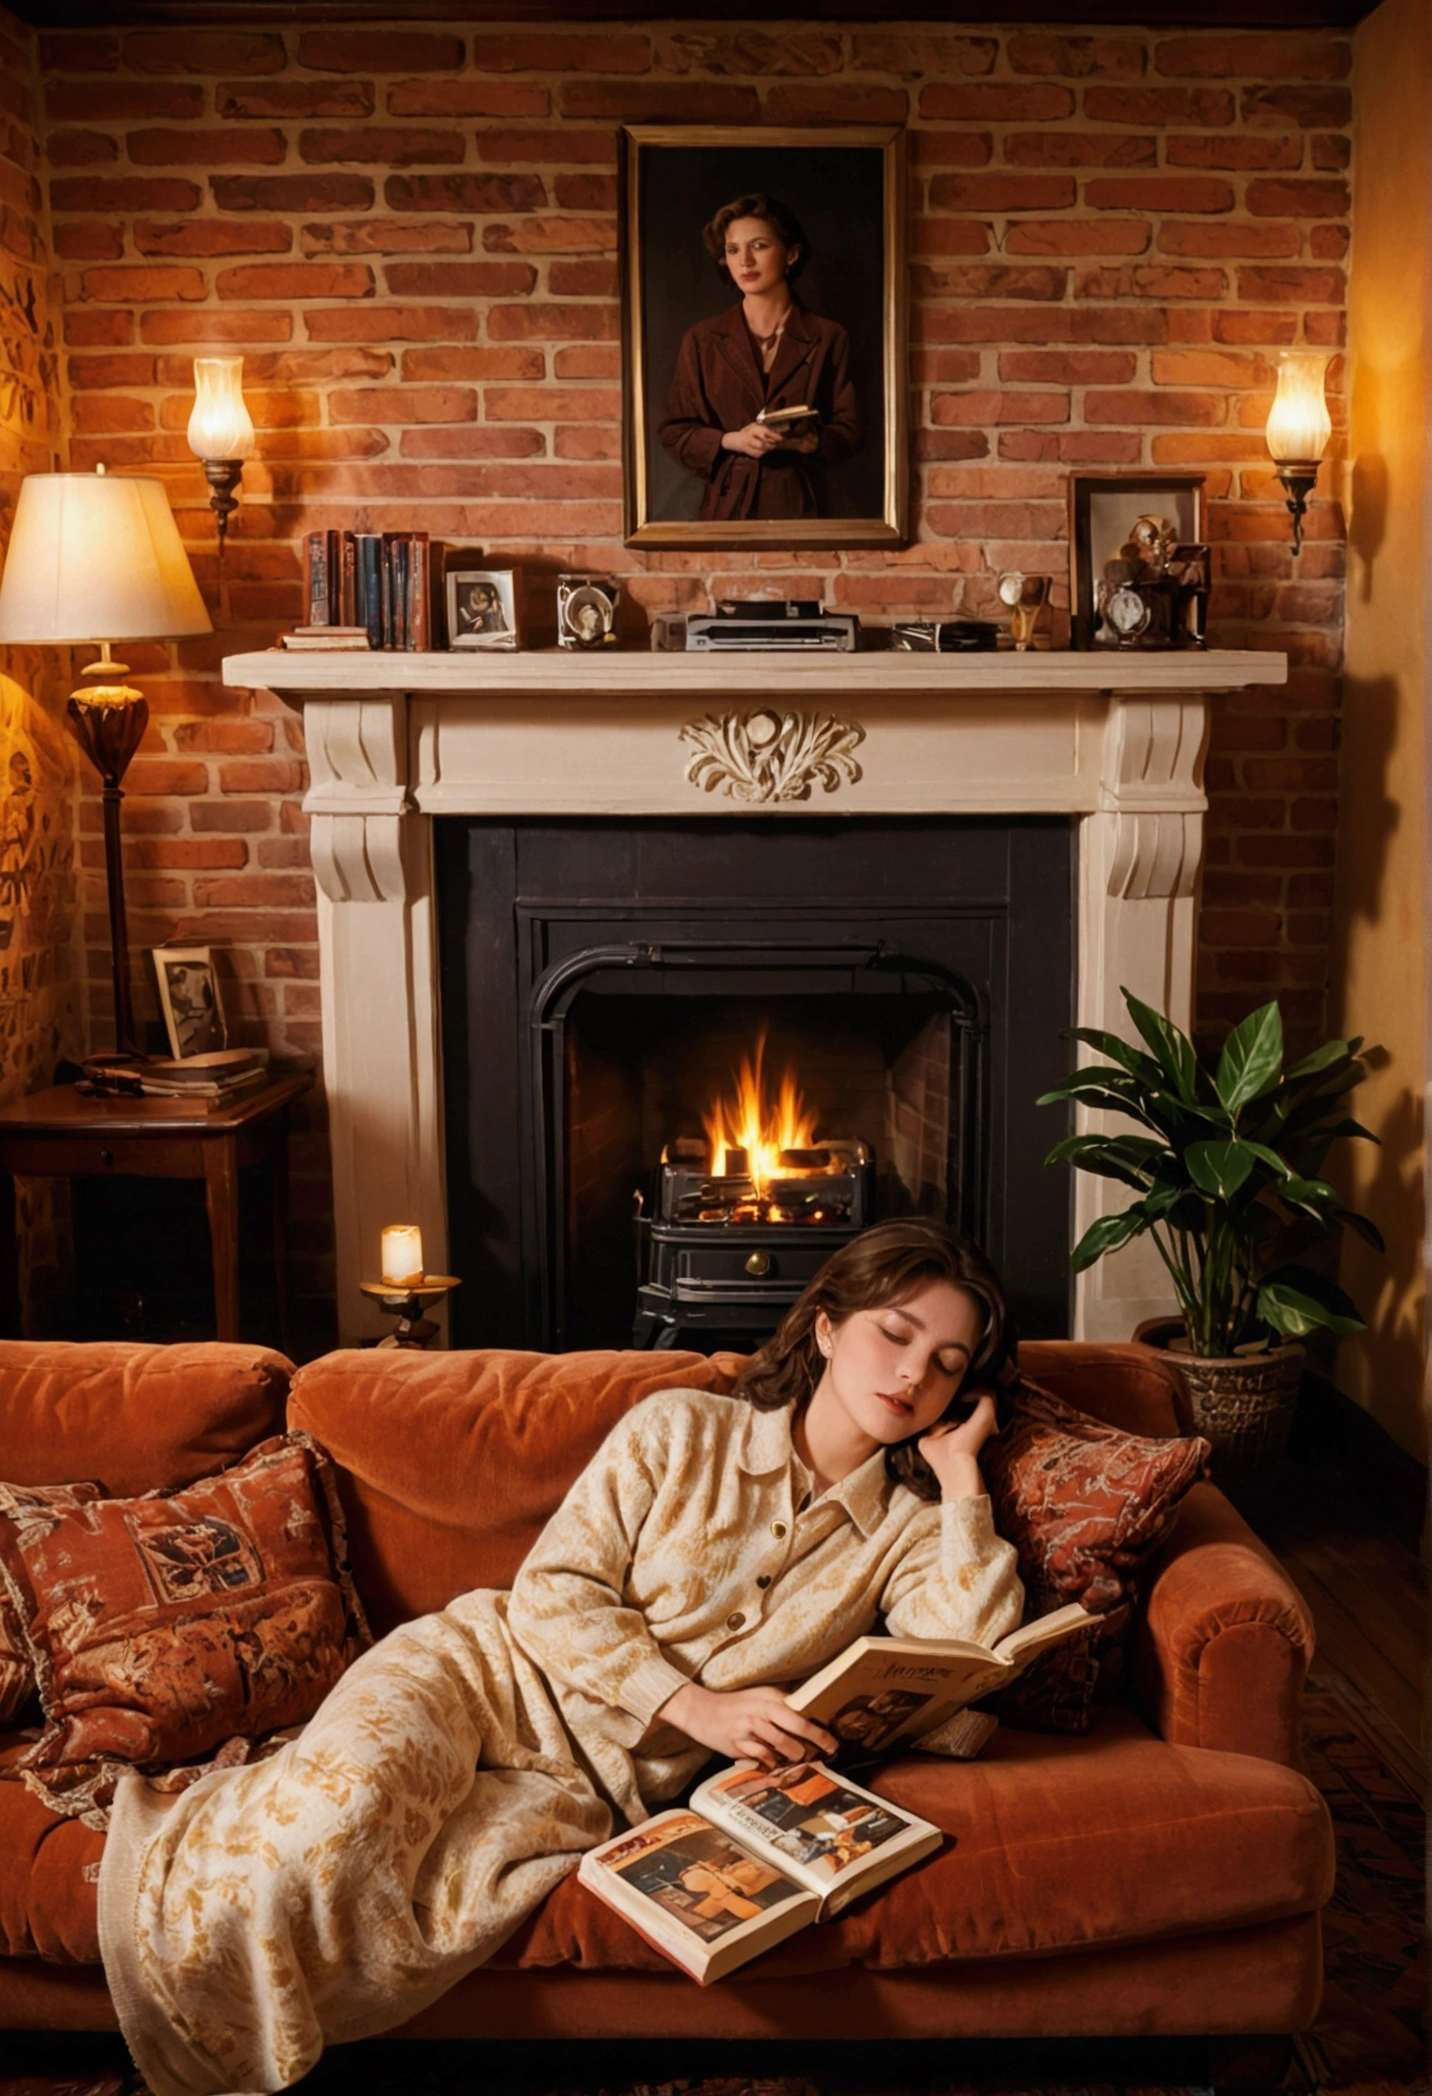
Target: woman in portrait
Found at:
x=765, y=353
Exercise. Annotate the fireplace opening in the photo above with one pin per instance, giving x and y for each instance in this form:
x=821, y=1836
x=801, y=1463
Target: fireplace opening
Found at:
x=603, y=984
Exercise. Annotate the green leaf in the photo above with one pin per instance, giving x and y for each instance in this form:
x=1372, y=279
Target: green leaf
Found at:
x=1119, y=1051
x=1270, y=1157
x=1330, y=1052
x=1127, y=1158
x=1313, y=1194
x=1294, y=1313
x=1173, y=1050
x=1252, y=1057
x=1108, y=1234
x=1219, y=1169
x=1362, y=1227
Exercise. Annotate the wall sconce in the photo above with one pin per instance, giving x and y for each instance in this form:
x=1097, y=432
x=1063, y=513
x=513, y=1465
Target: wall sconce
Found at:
x=221, y=432
x=1298, y=429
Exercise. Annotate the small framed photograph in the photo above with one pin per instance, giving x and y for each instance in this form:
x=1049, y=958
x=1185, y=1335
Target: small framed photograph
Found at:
x=189, y=999
x=1115, y=521
x=587, y=611
x=482, y=608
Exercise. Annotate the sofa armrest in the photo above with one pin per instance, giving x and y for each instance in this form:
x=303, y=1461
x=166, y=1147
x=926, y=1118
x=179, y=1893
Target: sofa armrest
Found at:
x=1224, y=1639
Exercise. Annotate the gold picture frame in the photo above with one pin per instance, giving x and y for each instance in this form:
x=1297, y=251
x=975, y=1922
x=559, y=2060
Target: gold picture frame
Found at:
x=847, y=186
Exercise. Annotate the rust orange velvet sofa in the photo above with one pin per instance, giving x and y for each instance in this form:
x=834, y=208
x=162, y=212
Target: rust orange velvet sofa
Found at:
x=1162, y=1874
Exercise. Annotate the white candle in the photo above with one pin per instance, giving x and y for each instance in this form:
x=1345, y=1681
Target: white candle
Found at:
x=402, y=1254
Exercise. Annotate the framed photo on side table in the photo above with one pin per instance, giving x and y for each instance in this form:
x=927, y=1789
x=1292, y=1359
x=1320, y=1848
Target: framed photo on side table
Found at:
x=825, y=390
x=1104, y=508
x=189, y=1000
x=482, y=608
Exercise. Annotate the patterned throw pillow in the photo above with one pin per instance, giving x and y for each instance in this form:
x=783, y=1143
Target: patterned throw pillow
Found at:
x=159, y=1627
x=1084, y=1505
x=29, y=1507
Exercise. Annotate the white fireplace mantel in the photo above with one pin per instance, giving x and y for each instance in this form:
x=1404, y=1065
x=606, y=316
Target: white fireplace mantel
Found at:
x=1113, y=740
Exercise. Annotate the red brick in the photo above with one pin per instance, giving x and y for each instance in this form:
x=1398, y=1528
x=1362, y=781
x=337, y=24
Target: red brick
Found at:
x=1275, y=330
x=749, y=53
x=595, y=278
x=549, y=148
x=1249, y=927
x=1228, y=890
x=392, y=323
x=96, y=330
x=191, y=50
x=1329, y=243
x=1029, y=280
x=1158, y=193
x=289, y=961
x=1331, y=152
x=460, y=279
x=255, y=775
x=837, y=104
x=106, y=411
x=124, y=193
x=460, y=364
x=1325, y=330
x=351, y=50
x=1062, y=236
x=143, y=284
x=80, y=148
x=296, y=280
x=1312, y=287
x=1080, y=149
x=1154, y=280
x=660, y=102
x=470, y=443
x=1086, y=367
x=403, y=404
x=1209, y=367
x=552, y=404
x=996, y=102
x=546, y=322
x=186, y=852
x=950, y=236
x=982, y=410
x=385, y=236
x=1307, y=107
x=292, y=192
x=1205, y=409
x=119, y=101
x=1044, y=324
x=951, y=367
x=277, y=891
x=506, y=51
x=1299, y=199
x=588, y=360
x=951, y=148
x=590, y=441
x=1158, y=105
x=474, y=194
x=586, y=192
x=1227, y=237
x=68, y=52
x=1008, y=520
x=995, y=483
x=550, y=236
x=1284, y=851
x=89, y=240
x=1000, y=192
x=206, y=147
x=214, y=329
x=379, y=146
x=1275, y=57
x=159, y=775
x=1310, y=891
x=467, y=98
x=241, y=735
x=291, y=98
x=212, y=236
x=917, y=53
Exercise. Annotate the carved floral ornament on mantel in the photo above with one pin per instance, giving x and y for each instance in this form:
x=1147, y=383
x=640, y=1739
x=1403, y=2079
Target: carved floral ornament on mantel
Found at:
x=770, y=756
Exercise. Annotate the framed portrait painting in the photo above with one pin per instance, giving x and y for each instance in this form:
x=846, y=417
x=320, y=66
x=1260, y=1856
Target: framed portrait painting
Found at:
x=764, y=364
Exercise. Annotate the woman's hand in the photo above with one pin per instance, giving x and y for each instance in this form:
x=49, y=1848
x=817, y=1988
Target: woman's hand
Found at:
x=746, y=1724
x=754, y=441
x=952, y=1448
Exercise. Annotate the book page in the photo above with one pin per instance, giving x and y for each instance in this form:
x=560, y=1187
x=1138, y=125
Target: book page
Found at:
x=889, y=1690
x=1030, y=1639
x=818, y=1825
x=677, y=1876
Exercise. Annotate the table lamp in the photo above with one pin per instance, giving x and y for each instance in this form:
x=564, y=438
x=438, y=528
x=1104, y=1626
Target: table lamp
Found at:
x=91, y=555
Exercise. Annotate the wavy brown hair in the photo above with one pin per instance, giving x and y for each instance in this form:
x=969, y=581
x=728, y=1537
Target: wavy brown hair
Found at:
x=884, y=1265
x=758, y=203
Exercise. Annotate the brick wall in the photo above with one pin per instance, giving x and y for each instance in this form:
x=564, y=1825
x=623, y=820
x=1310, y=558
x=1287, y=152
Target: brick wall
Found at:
x=39, y=1016
x=410, y=235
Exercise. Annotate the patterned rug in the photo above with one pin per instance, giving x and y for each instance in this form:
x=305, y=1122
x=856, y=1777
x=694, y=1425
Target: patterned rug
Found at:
x=1370, y=2039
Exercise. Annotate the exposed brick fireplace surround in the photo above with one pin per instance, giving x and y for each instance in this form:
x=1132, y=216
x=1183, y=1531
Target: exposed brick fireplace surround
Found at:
x=410, y=234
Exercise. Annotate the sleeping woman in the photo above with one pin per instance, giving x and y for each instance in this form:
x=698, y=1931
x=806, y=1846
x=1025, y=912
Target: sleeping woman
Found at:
x=715, y=1548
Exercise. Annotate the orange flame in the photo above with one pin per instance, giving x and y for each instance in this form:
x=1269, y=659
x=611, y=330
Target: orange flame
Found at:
x=760, y=1126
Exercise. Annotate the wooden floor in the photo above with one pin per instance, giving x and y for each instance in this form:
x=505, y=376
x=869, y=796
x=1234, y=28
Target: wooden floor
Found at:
x=1368, y=1596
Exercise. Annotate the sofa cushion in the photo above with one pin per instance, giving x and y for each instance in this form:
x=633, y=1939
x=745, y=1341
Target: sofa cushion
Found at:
x=17, y=1672
x=1060, y=1844
x=1132, y=1387
x=163, y=1625
x=451, y=1464
x=137, y=1416
x=49, y=1874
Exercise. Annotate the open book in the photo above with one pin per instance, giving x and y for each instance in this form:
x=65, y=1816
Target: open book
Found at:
x=888, y=1692
x=788, y=420
x=759, y=1854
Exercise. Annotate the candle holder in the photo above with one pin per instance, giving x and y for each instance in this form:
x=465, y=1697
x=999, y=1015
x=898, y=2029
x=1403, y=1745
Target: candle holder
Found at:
x=408, y=1301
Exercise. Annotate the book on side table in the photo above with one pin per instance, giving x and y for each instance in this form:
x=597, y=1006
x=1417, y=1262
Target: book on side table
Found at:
x=760, y=1853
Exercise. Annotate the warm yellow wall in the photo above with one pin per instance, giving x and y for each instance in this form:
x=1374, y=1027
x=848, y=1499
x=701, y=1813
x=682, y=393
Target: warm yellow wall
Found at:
x=1379, y=983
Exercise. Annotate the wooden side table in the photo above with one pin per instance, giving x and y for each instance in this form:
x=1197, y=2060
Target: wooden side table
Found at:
x=60, y=1131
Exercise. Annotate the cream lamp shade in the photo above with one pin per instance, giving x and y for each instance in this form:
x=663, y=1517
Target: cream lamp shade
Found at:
x=1299, y=424
x=97, y=556
x=221, y=426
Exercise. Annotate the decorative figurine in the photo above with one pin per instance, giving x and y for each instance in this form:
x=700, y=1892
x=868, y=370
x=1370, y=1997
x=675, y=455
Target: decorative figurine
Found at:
x=587, y=611
x=1026, y=596
x=1154, y=592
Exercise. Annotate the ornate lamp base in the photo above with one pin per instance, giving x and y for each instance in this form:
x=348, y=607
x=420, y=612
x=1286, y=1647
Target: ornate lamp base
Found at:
x=1299, y=477
x=406, y=1301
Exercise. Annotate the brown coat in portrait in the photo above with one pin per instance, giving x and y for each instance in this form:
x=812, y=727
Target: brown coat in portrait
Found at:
x=719, y=386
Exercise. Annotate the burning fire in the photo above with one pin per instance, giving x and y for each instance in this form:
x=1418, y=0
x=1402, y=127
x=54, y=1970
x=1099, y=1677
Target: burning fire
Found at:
x=757, y=1127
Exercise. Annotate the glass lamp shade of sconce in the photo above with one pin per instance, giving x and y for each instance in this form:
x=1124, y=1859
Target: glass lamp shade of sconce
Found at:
x=1299, y=427
x=221, y=431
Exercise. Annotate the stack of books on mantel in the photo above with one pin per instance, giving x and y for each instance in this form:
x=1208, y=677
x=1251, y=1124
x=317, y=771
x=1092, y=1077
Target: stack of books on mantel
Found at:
x=223, y=1074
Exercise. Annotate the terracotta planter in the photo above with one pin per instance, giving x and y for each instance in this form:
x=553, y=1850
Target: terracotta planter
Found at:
x=1242, y=1403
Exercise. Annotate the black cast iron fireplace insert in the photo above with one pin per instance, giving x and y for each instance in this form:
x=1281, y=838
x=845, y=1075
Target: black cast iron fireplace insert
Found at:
x=601, y=983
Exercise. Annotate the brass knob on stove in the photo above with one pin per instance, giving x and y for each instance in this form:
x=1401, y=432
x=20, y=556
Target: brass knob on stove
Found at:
x=759, y=1263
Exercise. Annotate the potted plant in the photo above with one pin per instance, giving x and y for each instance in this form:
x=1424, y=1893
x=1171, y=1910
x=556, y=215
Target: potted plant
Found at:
x=1225, y=1169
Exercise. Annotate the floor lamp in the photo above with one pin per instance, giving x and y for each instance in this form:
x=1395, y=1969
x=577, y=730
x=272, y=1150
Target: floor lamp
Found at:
x=95, y=558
